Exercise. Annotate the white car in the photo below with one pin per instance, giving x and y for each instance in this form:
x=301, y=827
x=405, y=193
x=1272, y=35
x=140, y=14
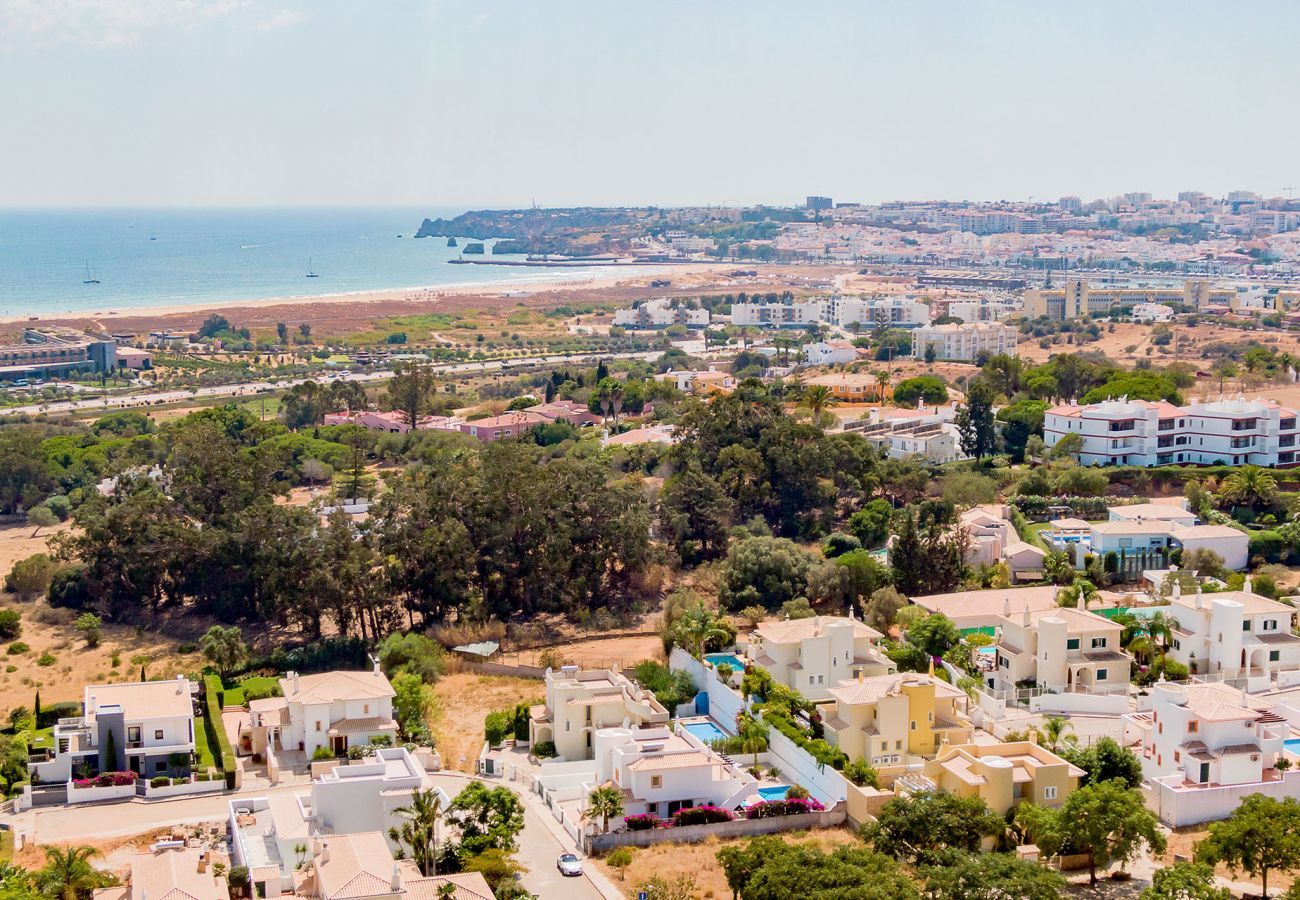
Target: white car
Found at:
x=568, y=864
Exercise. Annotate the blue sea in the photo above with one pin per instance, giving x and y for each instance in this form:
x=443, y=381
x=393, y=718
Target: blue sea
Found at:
x=166, y=257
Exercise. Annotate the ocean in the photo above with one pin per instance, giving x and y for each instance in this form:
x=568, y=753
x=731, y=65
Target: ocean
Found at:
x=169, y=257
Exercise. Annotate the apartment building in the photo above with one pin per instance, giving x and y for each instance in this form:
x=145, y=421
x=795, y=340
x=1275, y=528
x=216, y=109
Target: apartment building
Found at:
x=965, y=341
x=1234, y=634
x=1144, y=433
x=813, y=655
x=1060, y=650
x=662, y=312
x=1204, y=747
x=893, y=311
x=580, y=703
x=781, y=315
x=660, y=771
x=893, y=719
x=1077, y=298
x=1002, y=775
x=51, y=351
x=982, y=310
x=135, y=726
x=335, y=710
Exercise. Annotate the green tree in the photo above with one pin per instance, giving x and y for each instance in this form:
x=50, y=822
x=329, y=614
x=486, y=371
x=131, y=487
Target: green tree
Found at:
x=818, y=398
x=990, y=876
x=768, y=868
x=1261, y=836
x=224, y=648
x=411, y=702
x=619, y=858
x=1107, y=821
x=418, y=831
x=696, y=514
x=1184, y=881
x=1057, y=567
x=1067, y=446
x=764, y=571
x=753, y=734
x=487, y=818
x=1054, y=732
x=68, y=874
x=605, y=803
x=41, y=517
x=928, y=555
x=1248, y=485
x=870, y=525
x=1104, y=761
x=974, y=421
x=91, y=628
x=920, y=828
x=410, y=389
x=1021, y=421
x=697, y=627
x=927, y=388
x=413, y=653
x=882, y=609
x=934, y=634
x=30, y=577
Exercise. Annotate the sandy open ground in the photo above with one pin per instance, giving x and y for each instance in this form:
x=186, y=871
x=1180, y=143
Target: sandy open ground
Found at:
x=463, y=701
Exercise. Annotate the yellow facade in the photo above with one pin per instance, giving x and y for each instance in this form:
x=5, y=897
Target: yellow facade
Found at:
x=1004, y=775
x=887, y=719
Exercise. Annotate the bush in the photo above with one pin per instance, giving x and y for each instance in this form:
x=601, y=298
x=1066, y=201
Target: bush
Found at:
x=840, y=543
x=11, y=624
x=216, y=732
x=160, y=781
x=30, y=577
x=862, y=773
x=641, y=822
x=18, y=648
x=545, y=750
x=262, y=690
x=322, y=753
x=701, y=815
x=769, y=809
x=46, y=659
x=412, y=653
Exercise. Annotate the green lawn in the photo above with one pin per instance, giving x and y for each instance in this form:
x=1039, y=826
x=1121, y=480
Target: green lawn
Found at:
x=235, y=693
x=203, y=746
x=1033, y=534
x=42, y=739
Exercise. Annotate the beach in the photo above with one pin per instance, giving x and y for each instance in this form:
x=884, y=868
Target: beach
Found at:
x=327, y=311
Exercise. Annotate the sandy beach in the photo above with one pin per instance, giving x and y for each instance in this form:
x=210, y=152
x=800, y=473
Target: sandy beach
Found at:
x=337, y=312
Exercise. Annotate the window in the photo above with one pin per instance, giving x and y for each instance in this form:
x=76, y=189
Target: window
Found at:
x=1192, y=726
x=1274, y=655
x=898, y=745
x=1270, y=624
x=1125, y=543
x=1049, y=792
x=884, y=745
x=365, y=710
x=1101, y=674
x=1072, y=644
x=914, y=724
x=1245, y=626
x=1098, y=642
x=160, y=766
x=133, y=734
x=656, y=781
x=157, y=734
x=318, y=725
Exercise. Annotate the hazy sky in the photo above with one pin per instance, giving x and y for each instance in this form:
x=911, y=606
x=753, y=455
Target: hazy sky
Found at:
x=288, y=102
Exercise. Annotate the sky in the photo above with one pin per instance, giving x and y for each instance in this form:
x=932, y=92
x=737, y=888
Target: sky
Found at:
x=431, y=103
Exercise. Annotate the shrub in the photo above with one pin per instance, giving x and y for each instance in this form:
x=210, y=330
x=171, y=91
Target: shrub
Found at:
x=213, y=698
x=160, y=781
x=769, y=809
x=797, y=792
x=862, y=773
x=30, y=577
x=106, y=779
x=545, y=749
x=702, y=815
x=261, y=691
x=641, y=822
x=840, y=543
x=18, y=648
x=322, y=753
x=46, y=659
x=11, y=624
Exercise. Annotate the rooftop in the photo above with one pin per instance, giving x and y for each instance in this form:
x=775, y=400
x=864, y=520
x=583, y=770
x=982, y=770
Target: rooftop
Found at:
x=793, y=631
x=172, y=875
x=962, y=604
x=143, y=699
x=333, y=687
x=870, y=690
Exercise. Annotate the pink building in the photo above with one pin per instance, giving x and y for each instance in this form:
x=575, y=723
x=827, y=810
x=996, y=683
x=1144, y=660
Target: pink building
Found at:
x=507, y=425
x=393, y=421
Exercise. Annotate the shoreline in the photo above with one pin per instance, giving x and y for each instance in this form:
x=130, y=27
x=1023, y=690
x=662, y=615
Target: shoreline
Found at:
x=503, y=287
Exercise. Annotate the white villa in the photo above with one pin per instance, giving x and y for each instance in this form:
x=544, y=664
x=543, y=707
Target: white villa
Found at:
x=815, y=654
x=580, y=703
x=1204, y=747
x=335, y=710
x=1234, y=634
x=1060, y=650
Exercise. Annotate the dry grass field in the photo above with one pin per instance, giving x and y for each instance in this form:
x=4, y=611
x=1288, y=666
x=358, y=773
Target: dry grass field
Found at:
x=463, y=700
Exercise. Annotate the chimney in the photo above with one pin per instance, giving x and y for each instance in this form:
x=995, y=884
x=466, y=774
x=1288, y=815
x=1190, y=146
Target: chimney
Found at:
x=1082, y=602
x=1178, y=585
x=375, y=661
x=397, y=879
x=203, y=862
x=861, y=676
x=1006, y=605
x=1198, y=597
x=293, y=682
x=1024, y=617
x=324, y=851
x=1246, y=586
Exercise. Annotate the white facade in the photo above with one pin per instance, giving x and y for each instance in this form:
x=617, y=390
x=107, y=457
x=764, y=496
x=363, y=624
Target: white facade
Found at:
x=965, y=341
x=661, y=772
x=781, y=315
x=1060, y=650
x=901, y=312
x=1234, y=635
x=1152, y=312
x=660, y=313
x=930, y=437
x=1206, y=741
x=335, y=710
x=982, y=310
x=813, y=655
x=829, y=353
x=1145, y=433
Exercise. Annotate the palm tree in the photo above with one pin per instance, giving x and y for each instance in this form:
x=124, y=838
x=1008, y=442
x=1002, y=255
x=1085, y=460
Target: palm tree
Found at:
x=698, y=626
x=1057, y=567
x=882, y=382
x=606, y=802
x=1053, y=732
x=1132, y=627
x=68, y=874
x=818, y=398
x=419, y=831
x=1081, y=587
x=1161, y=629
x=1250, y=485
x=753, y=737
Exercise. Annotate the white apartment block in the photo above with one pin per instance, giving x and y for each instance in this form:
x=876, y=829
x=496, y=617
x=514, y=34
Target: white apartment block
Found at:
x=1060, y=650
x=1145, y=433
x=927, y=435
x=1204, y=747
x=661, y=313
x=1234, y=635
x=813, y=655
x=896, y=311
x=781, y=315
x=829, y=353
x=982, y=310
x=965, y=341
x=580, y=703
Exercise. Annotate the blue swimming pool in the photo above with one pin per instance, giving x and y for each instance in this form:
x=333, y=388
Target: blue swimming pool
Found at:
x=774, y=793
x=1292, y=745
x=737, y=664
x=705, y=731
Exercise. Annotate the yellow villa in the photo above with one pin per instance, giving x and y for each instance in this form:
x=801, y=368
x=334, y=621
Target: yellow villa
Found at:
x=891, y=719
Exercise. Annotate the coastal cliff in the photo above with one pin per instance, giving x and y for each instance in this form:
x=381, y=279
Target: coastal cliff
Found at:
x=576, y=232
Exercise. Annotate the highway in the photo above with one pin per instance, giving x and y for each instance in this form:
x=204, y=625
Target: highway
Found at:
x=252, y=388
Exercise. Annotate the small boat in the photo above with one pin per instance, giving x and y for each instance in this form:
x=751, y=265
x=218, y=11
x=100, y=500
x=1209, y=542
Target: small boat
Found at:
x=90, y=278
x=153, y=237
x=311, y=273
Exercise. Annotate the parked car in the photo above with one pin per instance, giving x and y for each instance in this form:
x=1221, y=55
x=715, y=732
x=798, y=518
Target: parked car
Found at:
x=568, y=864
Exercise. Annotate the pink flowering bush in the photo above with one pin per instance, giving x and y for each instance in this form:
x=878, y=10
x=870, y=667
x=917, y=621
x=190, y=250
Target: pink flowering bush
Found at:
x=793, y=806
x=642, y=822
x=106, y=779
x=702, y=815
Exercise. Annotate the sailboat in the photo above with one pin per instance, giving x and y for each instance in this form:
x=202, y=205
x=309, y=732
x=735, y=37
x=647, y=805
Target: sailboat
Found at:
x=310, y=272
x=89, y=279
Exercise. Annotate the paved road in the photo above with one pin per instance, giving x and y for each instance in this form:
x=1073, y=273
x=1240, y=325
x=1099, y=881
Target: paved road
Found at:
x=540, y=843
x=255, y=387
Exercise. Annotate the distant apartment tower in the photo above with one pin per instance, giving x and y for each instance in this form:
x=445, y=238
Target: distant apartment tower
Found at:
x=661, y=313
x=901, y=312
x=1242, y=196
x=1071, y=204
x=1137, y=198
x=818, y=203
x=1077, y=298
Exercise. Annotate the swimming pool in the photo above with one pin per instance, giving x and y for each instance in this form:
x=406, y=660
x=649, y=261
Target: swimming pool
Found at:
x=737, y=664
x=1292, y=745
x=705, y=731
x=774, y=793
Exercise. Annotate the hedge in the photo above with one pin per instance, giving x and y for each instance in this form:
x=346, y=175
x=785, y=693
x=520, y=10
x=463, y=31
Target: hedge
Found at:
x=769, y=809
x=701, y=815
x=216, y=732
x=818, y=749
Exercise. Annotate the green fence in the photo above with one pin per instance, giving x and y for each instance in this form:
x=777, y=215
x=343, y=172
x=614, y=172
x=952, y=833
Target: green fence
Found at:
x=214, y=694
